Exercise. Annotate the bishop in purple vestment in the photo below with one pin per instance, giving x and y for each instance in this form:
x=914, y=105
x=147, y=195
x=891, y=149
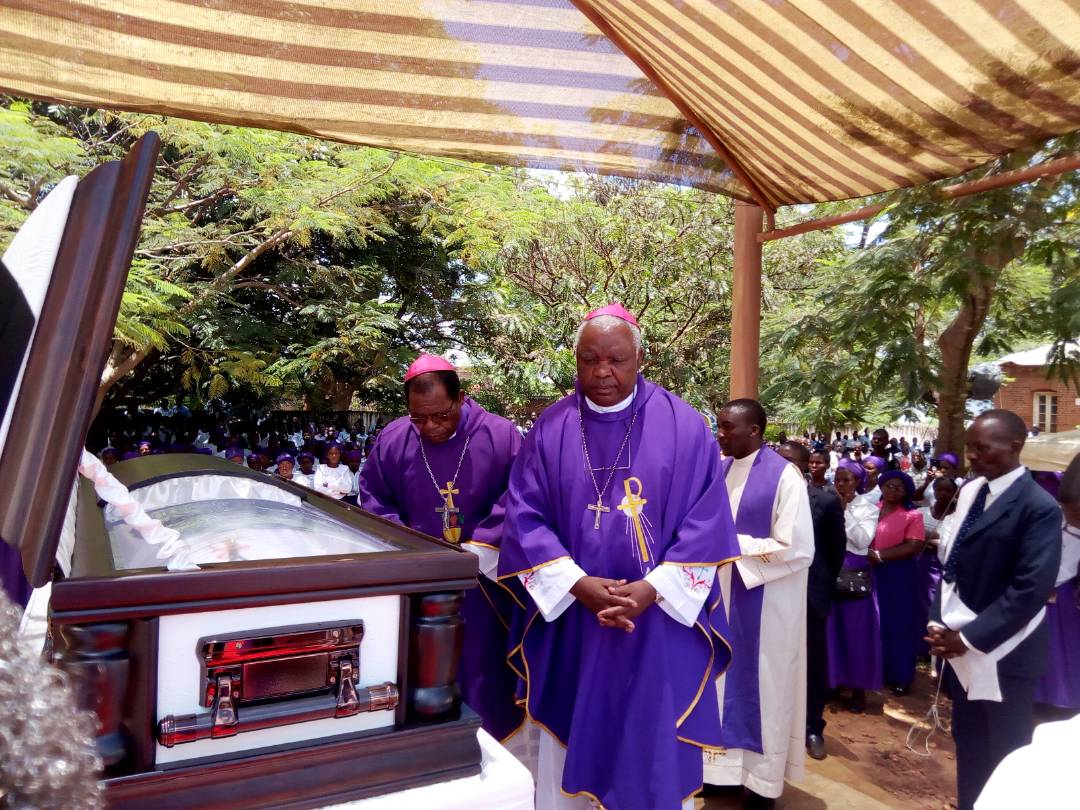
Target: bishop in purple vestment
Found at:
x=443, y=470
x=616, y=521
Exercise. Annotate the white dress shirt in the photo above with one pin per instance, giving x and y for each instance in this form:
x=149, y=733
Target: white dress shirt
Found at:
x=977, y=669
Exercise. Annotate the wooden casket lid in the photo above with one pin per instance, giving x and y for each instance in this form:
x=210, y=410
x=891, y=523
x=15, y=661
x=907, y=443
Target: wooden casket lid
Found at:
x=54, y=402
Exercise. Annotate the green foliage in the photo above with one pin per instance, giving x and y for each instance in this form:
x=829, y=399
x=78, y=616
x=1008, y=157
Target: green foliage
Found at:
x=663, y=252
x=272, y=264
x=897, y=322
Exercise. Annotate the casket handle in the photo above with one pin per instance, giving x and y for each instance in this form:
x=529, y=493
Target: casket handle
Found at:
x=347, y=701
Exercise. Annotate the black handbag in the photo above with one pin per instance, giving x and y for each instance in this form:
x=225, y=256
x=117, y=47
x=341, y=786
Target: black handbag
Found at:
x=853, y=583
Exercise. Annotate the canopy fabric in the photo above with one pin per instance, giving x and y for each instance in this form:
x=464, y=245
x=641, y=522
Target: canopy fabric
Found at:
x=830, y=99
x=1051, y=451
x=521, y=83
x=782, y=102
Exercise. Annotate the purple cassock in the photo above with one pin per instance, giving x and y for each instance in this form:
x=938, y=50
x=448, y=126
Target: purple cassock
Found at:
x=854, y=634
x=396, y=485
x=1060, y=686
x=12, y=580
x=742, y=697
x=633, y=709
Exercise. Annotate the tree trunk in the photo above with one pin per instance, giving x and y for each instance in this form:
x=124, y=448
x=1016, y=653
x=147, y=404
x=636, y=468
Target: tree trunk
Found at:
x=122, y=361
x=957, y=340
x=331, y=394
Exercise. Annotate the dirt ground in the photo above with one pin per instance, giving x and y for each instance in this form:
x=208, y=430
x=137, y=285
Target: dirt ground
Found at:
x=869, y=766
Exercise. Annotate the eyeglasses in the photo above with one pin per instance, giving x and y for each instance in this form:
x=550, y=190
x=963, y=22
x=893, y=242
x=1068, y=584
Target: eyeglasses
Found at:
x=420, y=421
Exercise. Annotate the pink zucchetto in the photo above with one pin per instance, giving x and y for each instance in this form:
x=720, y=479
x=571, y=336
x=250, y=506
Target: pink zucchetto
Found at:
x=425, y=363
x=616, y=310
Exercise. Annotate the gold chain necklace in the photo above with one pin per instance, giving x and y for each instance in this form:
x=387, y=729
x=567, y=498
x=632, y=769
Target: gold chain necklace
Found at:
x=449, y=512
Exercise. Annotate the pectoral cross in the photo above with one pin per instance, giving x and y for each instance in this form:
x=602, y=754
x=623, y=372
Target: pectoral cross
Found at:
x=449, y=512
x=598, y=507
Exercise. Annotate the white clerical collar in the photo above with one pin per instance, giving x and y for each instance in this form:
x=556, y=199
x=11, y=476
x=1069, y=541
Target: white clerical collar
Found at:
x=618, y=406
x=746, y=460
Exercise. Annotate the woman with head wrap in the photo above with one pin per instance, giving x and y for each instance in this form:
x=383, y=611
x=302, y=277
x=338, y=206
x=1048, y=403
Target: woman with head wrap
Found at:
x=304, y=473
x=874, y=466
x=284, y=468
x=947, y=465
x=854, y=626
x=1060, y=686
x=898, y=540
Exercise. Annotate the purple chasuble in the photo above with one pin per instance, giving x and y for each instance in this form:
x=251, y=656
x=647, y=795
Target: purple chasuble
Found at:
x=395, y=484
x=633, y=709
x=742, y=696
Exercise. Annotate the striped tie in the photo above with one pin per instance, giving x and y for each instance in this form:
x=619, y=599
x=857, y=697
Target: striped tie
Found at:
x=977, y=507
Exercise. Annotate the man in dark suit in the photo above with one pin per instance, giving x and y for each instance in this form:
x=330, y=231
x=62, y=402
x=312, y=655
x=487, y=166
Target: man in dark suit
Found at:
x=1002, y=562
x=830, y=541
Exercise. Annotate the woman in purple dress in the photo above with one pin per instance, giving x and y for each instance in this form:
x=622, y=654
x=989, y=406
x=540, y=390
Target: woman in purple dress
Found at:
x=898, y=541
x=854, y=627
x=936, y=519
x=1060, y=686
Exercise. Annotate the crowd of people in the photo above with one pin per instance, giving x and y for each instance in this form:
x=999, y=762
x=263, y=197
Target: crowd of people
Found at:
x=662, y=609
x=322, y=454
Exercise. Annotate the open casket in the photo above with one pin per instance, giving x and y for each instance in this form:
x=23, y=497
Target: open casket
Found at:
x=311, y=658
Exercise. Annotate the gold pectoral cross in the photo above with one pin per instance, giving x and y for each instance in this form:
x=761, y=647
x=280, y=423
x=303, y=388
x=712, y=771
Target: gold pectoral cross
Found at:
x=449, y=512
x=598, y=507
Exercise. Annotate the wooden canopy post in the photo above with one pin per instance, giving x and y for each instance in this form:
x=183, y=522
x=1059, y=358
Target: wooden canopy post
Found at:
x=746, y=301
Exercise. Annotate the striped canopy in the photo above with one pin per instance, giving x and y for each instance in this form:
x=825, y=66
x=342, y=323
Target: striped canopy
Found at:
x=776, y=101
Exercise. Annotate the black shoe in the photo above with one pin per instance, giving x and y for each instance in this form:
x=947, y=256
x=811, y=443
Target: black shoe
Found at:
x=901, y=689
x=815, y=746
x=755, y=801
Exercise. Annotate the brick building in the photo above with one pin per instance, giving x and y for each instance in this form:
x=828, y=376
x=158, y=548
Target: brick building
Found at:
x=1029, y=391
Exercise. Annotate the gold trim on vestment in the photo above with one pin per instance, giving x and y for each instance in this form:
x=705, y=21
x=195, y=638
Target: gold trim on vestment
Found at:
x=495, y=581
x=528, y=682
x=478, y=543
x=534, y=568
x=718, y=748
x=521, y=725
x=690, y=564
x=704, y=680
x=592, y=796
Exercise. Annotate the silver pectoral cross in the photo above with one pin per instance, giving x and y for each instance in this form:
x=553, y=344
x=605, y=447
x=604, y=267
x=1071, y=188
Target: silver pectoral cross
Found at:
x=598, y=507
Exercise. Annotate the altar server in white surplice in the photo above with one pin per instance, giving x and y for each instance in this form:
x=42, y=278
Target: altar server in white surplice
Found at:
x=763, y=693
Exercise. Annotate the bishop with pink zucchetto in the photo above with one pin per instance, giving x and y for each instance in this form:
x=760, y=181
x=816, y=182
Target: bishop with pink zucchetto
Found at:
x=443, y=470
x=426, y=363
x=616, y=521
x=614, y=310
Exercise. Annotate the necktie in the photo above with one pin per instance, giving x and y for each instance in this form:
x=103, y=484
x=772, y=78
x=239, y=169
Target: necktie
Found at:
x=977, y=507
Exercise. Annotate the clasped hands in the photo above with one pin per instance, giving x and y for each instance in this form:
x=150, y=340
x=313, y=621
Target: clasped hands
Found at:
x=944, y=643
x=615, y=602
